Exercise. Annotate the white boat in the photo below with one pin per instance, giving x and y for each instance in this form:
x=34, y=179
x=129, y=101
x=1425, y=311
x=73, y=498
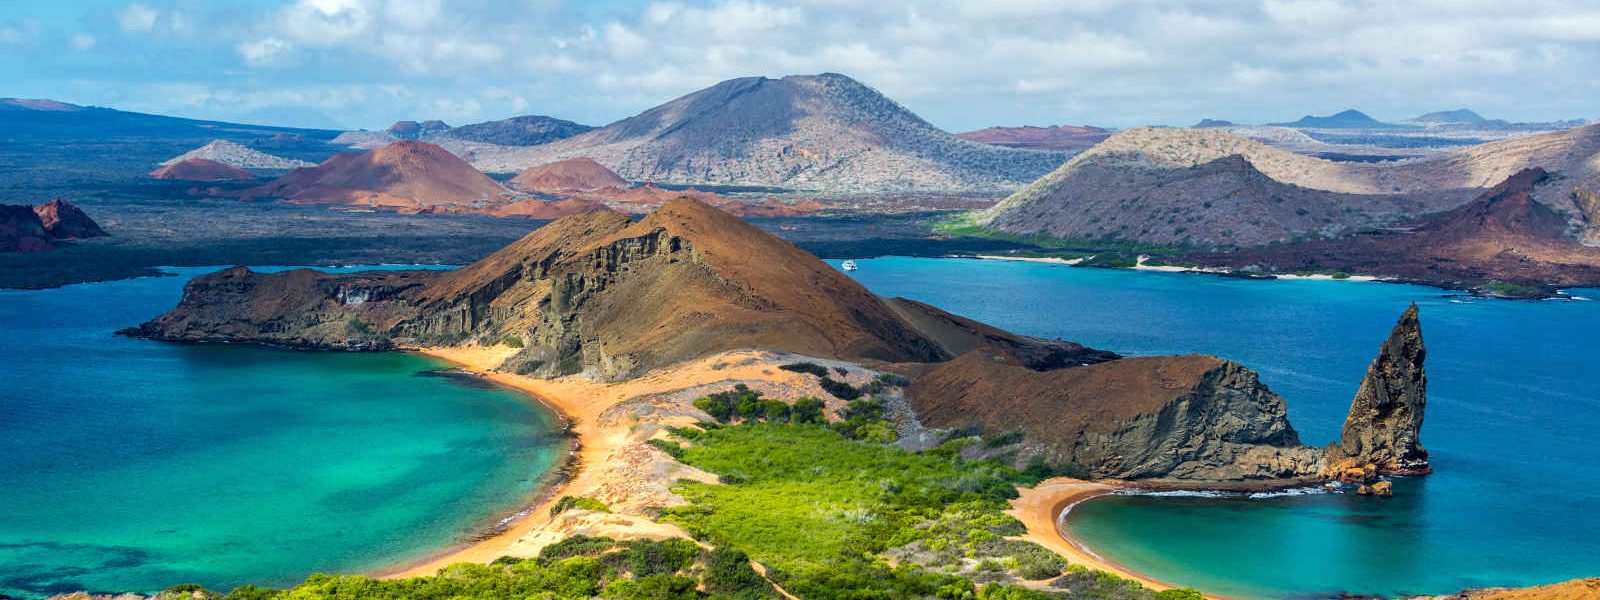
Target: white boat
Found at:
x=848, y=265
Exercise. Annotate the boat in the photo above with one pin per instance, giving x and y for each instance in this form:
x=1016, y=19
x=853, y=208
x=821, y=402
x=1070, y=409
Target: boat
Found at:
x=848, y=265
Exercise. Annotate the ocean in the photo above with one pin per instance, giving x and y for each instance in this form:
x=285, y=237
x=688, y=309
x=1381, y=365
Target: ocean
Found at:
x=133, y=465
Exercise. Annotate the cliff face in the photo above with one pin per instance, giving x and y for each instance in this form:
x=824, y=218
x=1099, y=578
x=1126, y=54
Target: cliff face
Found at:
x=1195, y=418
x=1385, y=420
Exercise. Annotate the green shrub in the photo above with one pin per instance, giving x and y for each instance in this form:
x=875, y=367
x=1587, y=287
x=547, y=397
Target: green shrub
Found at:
x=808, y=411
x=579, y=502
x=839, y=389
x=1004, y=439
x=806, y=367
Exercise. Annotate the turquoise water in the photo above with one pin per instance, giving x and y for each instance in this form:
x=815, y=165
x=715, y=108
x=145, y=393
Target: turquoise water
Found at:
x=130, y=465
x=1514, y=408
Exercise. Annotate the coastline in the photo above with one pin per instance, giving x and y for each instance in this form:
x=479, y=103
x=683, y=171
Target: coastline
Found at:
x=1040, y=507
x=1141, y=266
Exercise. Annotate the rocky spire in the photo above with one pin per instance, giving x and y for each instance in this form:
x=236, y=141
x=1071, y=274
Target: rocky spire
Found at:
x=1386, y=416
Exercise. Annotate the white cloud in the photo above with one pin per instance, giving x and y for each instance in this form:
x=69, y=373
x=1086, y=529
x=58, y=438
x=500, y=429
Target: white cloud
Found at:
x=265, y=52
x=137, y=18
x=19, y=32
x=82, y=42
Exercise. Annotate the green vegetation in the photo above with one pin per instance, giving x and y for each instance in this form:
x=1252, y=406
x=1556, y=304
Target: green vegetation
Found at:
x=965, y=225
x=577, y=567
x=578, y=502
x=744, y=404
x=832, y=517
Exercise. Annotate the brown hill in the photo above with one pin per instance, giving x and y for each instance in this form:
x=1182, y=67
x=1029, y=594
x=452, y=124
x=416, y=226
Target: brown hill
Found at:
x=594, y=292
x=65, y=221
x=405, y=174
x=37, y=228
x=201, y=169
x=1504, y=235
x=581, y=174
x=1054, y=137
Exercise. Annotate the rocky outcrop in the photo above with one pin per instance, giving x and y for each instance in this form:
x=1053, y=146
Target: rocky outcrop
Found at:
x=35, y=228
x=21, y=231
x=1193, y=418
x=1385, y=421
x=65, y=221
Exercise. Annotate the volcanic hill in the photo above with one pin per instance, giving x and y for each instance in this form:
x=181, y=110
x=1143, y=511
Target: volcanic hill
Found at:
x=581, y=174
x=407, y=175
x=612, y=298
x=1502, y=236
x=817, y=132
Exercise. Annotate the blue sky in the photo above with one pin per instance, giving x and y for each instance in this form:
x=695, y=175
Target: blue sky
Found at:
x=962, y=65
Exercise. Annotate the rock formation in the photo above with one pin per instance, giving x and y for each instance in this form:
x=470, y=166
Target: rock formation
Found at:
x=1193, y=417
x=21, y=231
x=201, y=169
x=36, y=228
x=1385, y=420
x=407, y=175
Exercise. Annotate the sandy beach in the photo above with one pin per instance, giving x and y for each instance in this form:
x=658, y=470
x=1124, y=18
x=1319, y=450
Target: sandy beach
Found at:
x=1037, y=507
x=612, y=462
x=1141, y=265
x=1037, y=259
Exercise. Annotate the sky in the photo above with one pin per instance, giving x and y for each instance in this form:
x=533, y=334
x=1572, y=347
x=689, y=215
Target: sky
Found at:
x=960, y=64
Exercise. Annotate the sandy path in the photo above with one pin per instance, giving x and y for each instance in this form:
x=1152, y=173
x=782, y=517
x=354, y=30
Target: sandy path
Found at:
x=1037, y=508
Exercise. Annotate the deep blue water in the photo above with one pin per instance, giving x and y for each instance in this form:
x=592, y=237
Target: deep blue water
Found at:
x=1513, y=412
x=132, y=465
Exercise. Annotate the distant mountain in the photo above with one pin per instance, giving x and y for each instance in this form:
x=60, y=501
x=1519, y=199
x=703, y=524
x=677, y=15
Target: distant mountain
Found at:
x=1209, y=187
x=1347, y=119
x=529, y=130
x=1461, y=116
x=236, y=155
x=1503, y=235
x=1203, y=187
x=1205, y=123
x=819, y=132
x=201, y=169
x=50, y=118
x=405, y=175
x=1054, y=137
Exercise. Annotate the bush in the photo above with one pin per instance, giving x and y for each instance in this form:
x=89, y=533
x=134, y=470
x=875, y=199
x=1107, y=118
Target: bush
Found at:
x=839, y=389
x=1004, y=439
x=808, y=411
x=579, y=502
x=806, y=367
x=728, y=573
